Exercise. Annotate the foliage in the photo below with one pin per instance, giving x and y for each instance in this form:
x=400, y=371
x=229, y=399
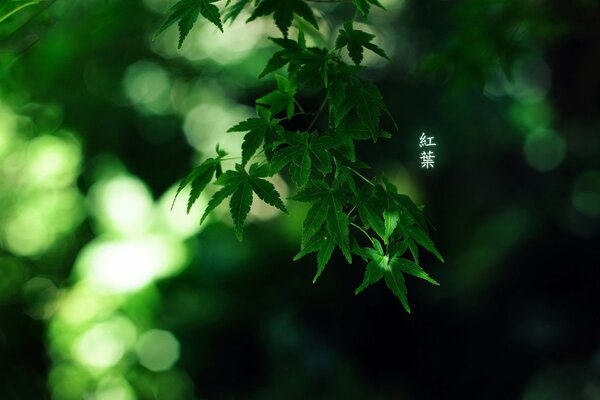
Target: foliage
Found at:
x=345, y=208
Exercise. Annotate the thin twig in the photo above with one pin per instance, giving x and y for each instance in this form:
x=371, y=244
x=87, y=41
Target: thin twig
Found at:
x=312, y=123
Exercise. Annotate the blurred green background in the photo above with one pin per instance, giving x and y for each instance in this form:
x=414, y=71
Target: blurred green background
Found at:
x=106, y=294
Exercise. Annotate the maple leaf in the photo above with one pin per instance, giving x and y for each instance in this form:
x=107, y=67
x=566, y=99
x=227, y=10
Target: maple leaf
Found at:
x=259, y=130
x=282, y=98
x=392, y=268
x=355, y=40
x=306, y=64
x=323, y=245
x=231, y=13
x=364, y=6
x=240, y=185
x=302, y=153
x=327, y=209
x=186, y=12
x=283, y=13
x=366, y=101
x=199, y=177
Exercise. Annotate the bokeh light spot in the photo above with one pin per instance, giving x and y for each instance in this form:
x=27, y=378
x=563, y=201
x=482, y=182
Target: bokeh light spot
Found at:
x=544, y=150
x=129, y=265
x=103, y=345
x=122, y=204
x=157, y=350
x=586, y=193
x=147, y=85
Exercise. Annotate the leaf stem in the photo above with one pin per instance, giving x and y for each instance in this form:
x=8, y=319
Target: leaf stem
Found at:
x=360, y=175
x=300, y=107
x=351, y=211
x=312, y=123
x=362, y=230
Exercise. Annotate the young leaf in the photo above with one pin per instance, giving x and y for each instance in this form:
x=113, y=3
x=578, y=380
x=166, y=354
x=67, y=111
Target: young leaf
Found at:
x=199, y=177
x=282, y=98
x=337, y=225
x=240, y=185
x=370, y=216
x=395, y=281
x=312, y=245
x=422, y=238
x=283, y=13
x=265, y=189
x=205, y=175
x=365, y=5
x=303, y=152
x=239, y=206
x=231, y=13
x=368, y=111
x=390, y=215
x=217, y=199
x=411, y=268
x=186, y=12
x=365, y=99
x=323, y=245
x=375, y=268
x=315, y=218
x=355, y=40
x=259, y=130
x=324, y=255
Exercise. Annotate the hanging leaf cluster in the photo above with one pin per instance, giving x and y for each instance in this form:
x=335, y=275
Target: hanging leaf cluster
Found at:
x=362, y=218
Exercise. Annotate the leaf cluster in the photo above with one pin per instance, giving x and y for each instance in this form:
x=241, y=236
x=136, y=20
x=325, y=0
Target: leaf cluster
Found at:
x=361, y=217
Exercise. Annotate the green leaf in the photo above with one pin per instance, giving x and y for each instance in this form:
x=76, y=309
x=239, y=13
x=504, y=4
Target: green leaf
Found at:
x=370, y=216
x=12, y=7
x=368, y=111
x=376, y=268
x=303, y=151
x=259, y=130
x=324, y=255
x=217, y=199
x=315, y=218
x=390, y=216
x=337, y=225
x=372, y=275
x=283, y=13
x=231, y=13
x=354, y=40
x=392, y=267
x=199, y=177
x=358, y=114
x=240, y=204
x=365, y=5
x=315, y=190
x=395, y=281
x=422, y=238
x=240, y=185
x=312, y=245
x=414, y=250
x=281, y=99
x=198, y=185
x=267, y=193
x=323, y=245
x=277, y=61
x=411, y=268
x=185, y=13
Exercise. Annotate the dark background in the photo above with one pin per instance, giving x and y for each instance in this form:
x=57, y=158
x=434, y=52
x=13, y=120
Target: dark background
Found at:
x=509, y=89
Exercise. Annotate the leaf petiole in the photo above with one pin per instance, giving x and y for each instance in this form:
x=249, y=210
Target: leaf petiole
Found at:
x=361, y=176
x=362, y=230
